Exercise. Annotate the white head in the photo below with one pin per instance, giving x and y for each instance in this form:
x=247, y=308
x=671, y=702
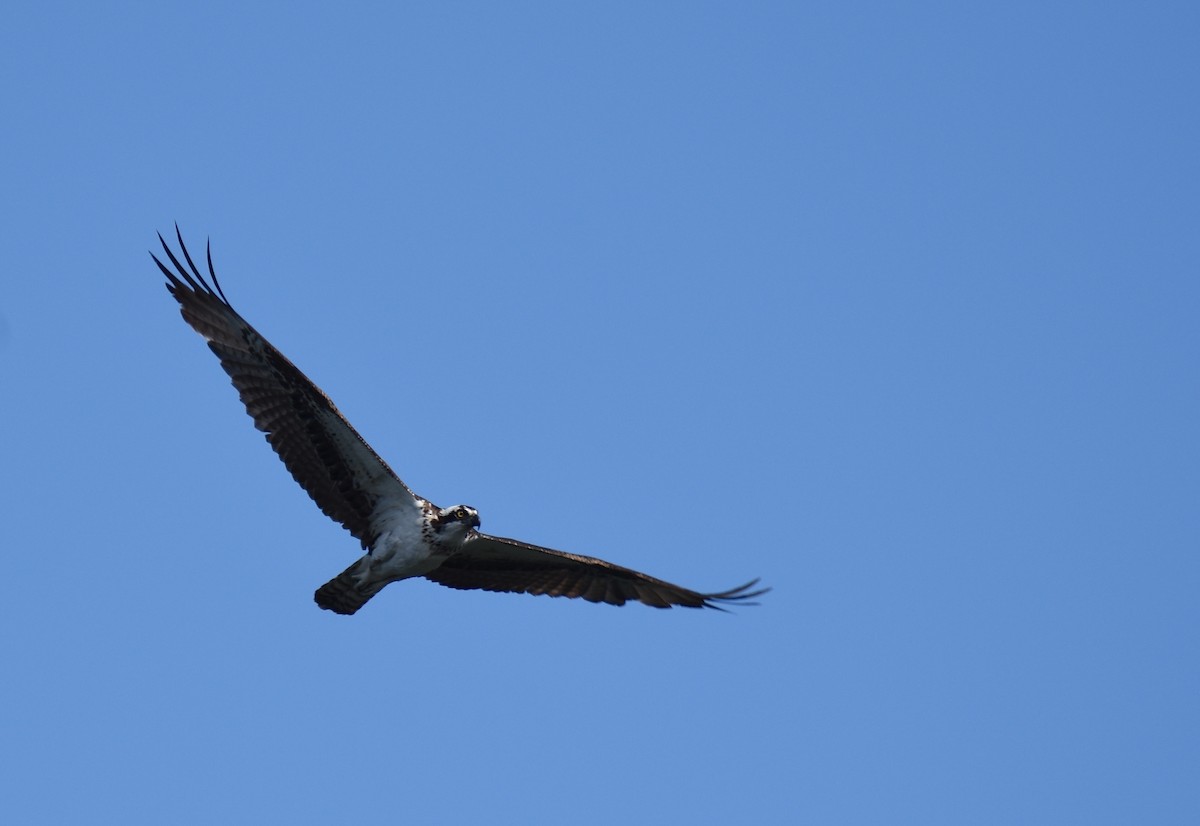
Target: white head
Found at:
x=452, y=525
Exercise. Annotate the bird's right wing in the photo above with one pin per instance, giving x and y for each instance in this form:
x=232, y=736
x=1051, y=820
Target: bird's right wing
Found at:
x=324, y=454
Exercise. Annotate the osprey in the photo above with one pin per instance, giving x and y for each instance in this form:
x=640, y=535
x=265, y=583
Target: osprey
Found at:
x=404, y=535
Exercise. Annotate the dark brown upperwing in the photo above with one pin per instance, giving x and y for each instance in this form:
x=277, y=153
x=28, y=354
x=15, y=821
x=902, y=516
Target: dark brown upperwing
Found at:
x=493, y=563
x=324, y=454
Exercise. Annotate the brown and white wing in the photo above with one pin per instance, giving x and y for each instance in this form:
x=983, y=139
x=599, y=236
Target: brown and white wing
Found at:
x=324, y=454
x=493, y=563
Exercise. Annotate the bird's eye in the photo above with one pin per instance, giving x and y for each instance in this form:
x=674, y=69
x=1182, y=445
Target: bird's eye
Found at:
x=460, y=514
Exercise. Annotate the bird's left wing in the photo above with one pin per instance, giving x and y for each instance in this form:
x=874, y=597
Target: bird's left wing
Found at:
x=493, y=563
x=324, y=454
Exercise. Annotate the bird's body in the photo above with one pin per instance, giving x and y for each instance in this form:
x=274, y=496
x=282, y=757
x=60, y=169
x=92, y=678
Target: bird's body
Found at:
x=410, y=544
x=403, y=534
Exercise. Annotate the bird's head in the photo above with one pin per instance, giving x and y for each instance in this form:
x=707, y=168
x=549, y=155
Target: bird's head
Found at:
x=453, y=524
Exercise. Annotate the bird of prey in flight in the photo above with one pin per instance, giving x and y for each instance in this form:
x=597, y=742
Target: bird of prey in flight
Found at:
x=404, y=535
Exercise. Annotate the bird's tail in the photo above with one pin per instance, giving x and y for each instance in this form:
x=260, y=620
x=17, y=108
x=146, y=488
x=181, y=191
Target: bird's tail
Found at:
x=344, y=594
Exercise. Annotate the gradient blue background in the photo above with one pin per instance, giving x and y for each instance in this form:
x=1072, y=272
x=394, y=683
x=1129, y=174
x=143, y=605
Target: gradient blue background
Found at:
x=895, y=307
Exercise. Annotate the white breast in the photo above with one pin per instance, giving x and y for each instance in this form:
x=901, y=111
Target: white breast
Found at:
x=401, y=549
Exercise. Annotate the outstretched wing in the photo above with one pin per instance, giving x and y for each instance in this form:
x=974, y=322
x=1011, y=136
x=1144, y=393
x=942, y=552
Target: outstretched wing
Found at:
x=324, y=454
x=493, y=563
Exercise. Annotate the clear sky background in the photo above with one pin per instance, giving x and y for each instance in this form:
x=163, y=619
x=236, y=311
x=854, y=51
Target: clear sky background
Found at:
x=893, y=306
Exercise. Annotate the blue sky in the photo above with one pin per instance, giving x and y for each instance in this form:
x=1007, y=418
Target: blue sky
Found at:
x=893, y=306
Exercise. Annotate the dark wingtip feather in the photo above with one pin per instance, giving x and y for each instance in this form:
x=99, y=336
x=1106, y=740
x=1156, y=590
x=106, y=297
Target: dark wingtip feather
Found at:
x=173, y=282
x=191, y=273
x=737, y=595
x=213, y=272
x=180, y=271
x=186, y=254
